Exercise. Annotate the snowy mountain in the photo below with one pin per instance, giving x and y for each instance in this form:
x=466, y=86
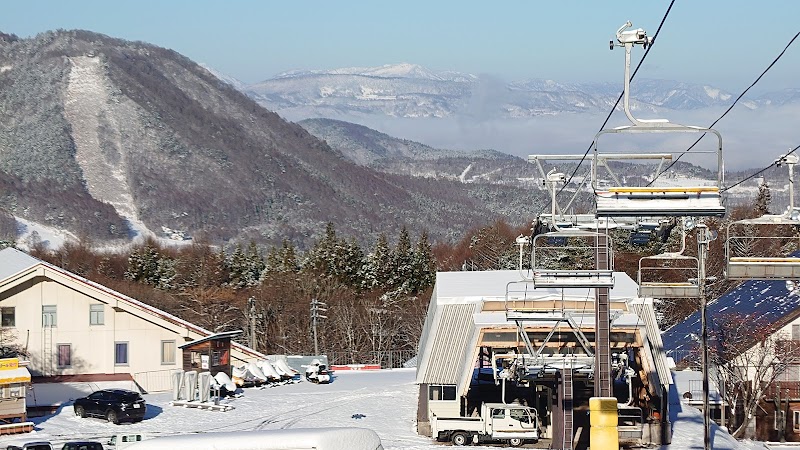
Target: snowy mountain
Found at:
x=109, y=139
x=368, y=147
x=411, y=91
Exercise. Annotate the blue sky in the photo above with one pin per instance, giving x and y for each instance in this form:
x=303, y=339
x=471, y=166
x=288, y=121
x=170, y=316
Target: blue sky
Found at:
x=723, y=43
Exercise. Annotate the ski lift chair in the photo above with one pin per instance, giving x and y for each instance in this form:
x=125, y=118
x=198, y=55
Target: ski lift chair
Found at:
x=556, y=260
x=652, y=201
x=667, y=200
x=656, y=273
x=750, y=247
x=670, y=274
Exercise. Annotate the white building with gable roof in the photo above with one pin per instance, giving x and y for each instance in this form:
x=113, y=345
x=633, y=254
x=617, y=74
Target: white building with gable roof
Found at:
x=75, y=330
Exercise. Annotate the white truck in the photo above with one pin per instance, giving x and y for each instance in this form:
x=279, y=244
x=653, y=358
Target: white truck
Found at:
x=123, y=441
x=498, y=422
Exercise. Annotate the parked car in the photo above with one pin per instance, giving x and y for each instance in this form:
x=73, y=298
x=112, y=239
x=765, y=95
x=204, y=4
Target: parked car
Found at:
x=115, y=405
x=41, y=445
x=82, y=445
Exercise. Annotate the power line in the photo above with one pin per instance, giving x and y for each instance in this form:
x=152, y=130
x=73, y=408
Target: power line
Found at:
x=729, y=108
x=759, y=172
x=613, y=108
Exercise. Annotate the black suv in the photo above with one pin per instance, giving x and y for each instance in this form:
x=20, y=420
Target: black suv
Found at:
x=82, y=445
x=115, y=405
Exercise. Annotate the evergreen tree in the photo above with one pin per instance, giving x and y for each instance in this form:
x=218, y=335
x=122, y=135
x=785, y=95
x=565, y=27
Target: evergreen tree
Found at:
x=245, y=267
x=351, y=264
x=273, y=261
x=321, y=258
x=255, y=265
x=237, y=267
x=763, y=199
x=146, y=265
x=378, y=265
x=424, y=265
x=402, y=264
x=288, y=257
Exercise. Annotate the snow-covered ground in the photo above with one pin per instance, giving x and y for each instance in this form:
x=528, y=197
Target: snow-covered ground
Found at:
x=384, y=401
x=30, y=233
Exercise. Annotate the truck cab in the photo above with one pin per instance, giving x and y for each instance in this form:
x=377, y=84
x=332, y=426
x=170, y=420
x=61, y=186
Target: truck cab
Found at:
x=499, y=422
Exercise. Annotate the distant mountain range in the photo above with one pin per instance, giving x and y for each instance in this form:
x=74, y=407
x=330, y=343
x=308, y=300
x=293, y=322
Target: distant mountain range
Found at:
x=412, y=91
x=109, y=139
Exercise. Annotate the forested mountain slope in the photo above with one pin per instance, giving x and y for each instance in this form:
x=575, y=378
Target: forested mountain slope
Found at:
x=103, y=136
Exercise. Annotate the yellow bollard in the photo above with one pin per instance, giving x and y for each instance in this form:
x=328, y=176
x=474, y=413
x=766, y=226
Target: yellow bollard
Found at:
x=603, y=434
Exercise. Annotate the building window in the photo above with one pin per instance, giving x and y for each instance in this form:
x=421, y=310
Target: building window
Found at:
x=97, y=315
x=64, y=355
x=441, y=392
x=796, y=332
x=796, y=421
x=48, y=316
x=790, y=373
x=8, y=316
x=780, y=417
x=167, y=352
x=121, y=353
x=196, y=359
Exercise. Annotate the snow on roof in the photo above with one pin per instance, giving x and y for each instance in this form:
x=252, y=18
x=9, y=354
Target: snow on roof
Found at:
x=454, y=319
x=474, y=286
x=771, y=302
x=224, y=335
x=13, y=261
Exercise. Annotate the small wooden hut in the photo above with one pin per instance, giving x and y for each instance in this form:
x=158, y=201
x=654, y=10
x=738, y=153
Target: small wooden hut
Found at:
x=209, y=354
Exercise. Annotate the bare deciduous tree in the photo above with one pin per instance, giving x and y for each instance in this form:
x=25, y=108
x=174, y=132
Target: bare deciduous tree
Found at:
x=747, y=355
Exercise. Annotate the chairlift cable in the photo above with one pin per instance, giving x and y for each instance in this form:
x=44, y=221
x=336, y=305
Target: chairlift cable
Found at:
x=728, y=110
x=614, y=108
x=758, y=173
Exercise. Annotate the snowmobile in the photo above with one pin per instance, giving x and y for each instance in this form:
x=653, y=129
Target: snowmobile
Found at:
x=274, y=374
x=318, y=373
x=249, y=375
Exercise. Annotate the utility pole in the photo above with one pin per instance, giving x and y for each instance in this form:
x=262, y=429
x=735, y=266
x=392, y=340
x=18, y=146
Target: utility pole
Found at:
x=703, y=239
x=251, y=303
x=316, y=307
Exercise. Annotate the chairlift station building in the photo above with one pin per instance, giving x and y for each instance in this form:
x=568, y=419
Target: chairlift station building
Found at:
x=473, y=350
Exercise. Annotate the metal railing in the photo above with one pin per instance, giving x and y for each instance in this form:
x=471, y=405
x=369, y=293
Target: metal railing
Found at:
x=155, y=380
x=388, y=359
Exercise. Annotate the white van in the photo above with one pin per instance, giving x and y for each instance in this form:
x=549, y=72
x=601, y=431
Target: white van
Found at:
x=292, y=439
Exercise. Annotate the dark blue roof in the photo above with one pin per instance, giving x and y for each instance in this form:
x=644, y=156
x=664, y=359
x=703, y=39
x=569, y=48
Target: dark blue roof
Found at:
x=767, y=302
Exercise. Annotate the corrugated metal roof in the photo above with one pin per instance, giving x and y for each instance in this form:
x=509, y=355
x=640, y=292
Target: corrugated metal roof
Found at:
x=449, y=344
x=652, y=339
